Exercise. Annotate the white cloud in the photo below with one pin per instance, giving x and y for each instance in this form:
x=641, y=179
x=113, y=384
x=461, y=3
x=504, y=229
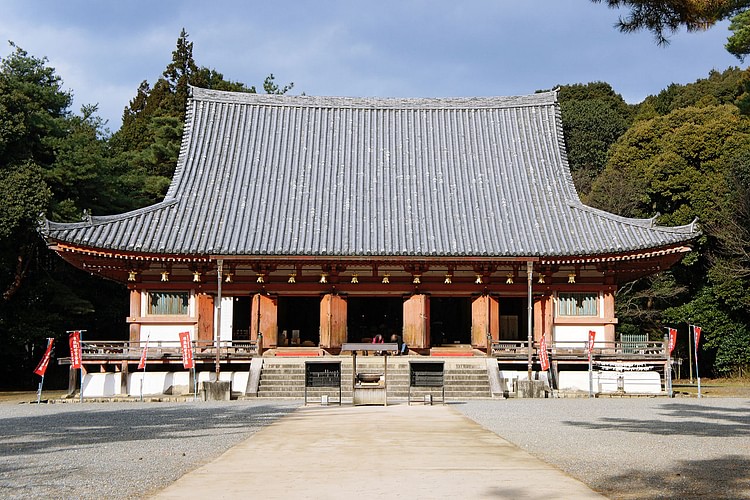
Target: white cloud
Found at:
x=337, y=47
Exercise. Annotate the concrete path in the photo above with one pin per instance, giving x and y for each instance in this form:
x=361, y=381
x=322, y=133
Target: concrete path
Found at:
x=366, y=452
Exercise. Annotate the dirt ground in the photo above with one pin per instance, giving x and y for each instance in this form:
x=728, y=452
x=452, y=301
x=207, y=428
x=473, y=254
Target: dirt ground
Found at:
x=28, y=396
x=713, y=388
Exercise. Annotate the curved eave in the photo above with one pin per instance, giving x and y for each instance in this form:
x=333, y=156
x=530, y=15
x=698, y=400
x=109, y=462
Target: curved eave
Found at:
x=63, y=247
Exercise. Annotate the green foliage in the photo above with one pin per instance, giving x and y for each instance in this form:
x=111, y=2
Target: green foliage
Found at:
x=725, y=87
x=687, y=155
x=738, y=43
x=59, y=163
x=32, y=108
x=663, y=17
x=725, y=334
x=593, y=117
x=148, y=142
x=23, y=196
x=54, y=162
x=677, y=164
x=271, y=87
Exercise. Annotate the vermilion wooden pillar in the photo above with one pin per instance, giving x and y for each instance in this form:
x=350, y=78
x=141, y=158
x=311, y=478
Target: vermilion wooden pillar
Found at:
x=205, y=312
x=609, y=316
x=417, y=321
x=264, y=313
x=543, y=317
x=485, y=318
x=135, y=312
x=332, y=321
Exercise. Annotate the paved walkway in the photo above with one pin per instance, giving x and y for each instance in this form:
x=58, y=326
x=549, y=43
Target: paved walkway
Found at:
x=365, y=452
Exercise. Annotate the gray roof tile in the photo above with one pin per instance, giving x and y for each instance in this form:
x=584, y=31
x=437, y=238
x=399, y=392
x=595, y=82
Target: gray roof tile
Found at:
x=322, y=176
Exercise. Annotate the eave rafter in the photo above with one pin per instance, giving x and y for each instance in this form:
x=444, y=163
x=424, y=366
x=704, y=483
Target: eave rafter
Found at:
x=614, y=267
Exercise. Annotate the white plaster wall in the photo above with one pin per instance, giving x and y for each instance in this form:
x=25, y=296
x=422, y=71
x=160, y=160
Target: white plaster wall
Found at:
x=165, y=335
x=238, y=379
x=102, y=385
x=227, y=318
x=578, y=335
x=647, y=382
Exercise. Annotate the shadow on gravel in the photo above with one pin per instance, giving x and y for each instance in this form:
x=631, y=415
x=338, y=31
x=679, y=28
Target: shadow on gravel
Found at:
x=82, y=427
x=682, y=419
x=688, y=479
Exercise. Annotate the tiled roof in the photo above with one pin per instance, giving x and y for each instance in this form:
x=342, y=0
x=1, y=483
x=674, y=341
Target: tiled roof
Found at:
x=320, y=176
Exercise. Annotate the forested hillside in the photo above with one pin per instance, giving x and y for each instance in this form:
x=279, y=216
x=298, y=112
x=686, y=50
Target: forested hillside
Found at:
x=682, y=154
x=63, y=164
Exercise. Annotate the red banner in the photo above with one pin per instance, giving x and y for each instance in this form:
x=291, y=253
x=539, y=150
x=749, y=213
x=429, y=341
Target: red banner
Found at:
x=41, y=369
x=142, y=362
x=672, y=339
x=74, y=340
x=543, y=354
x=187, y=350
x=592, y=336
x=697, y=330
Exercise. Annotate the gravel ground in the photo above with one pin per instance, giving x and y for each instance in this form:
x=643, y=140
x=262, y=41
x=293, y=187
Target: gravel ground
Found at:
x=623, y=448
x=633, y=448
x=117, y=450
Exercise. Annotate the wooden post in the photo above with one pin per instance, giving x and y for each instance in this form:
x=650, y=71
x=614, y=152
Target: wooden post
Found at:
x=205, y=325
x=124, y=374
x=72, y=380
x=485, y=320
x=417, y=321
x=543, y=318
x=609, y=317
x=333, y=318
x=264, y=320
x=135, y=313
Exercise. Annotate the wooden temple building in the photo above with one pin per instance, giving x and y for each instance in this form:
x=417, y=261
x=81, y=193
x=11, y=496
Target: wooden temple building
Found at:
x=300, y=223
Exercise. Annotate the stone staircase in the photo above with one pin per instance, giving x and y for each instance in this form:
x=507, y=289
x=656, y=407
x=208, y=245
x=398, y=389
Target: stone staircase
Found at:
x=465, y=378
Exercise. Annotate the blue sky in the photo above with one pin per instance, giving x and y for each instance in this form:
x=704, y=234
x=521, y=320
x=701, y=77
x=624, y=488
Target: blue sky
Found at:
x=389, y=48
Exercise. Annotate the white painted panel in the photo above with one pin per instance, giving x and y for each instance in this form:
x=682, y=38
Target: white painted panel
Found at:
x=606, y=382
x=101, y=385
x=227, y=318
x=164, y=335
x=578, y=335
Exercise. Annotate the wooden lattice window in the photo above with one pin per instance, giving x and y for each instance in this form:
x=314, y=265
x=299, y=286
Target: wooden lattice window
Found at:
x=578, y=304
x=164, y=303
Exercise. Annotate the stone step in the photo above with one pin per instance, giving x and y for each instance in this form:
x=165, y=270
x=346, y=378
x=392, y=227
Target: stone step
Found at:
x=286, y=378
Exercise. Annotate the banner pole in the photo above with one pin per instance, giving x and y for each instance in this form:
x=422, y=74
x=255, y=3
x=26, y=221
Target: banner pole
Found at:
x=41, y=368
x=668, y=367
x=697, y=374
x=690, y=353
x=39, y=391
x=81, y=341
x=143, y=375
